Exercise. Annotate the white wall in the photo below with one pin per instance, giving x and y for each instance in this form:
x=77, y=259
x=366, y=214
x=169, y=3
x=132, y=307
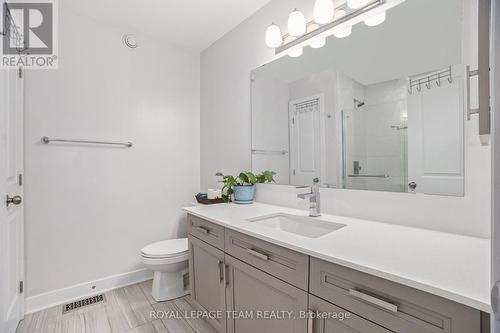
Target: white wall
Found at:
x=225, y=134
x=89, y=210
x=270, y=124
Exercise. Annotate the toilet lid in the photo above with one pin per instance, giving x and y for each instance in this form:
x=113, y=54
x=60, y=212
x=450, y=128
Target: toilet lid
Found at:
x=167, y=248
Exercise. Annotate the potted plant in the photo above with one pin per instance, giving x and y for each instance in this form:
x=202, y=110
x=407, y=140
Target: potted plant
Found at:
x=243, y=186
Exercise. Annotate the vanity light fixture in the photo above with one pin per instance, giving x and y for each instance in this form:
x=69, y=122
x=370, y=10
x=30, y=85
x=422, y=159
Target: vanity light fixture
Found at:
x=375, y=19
x=296, y=23
x=328, y=20
x=355, y=4
x=296, y=53
x=273, y=36
x=316, y=42
x=323, y=11
x=344, y=30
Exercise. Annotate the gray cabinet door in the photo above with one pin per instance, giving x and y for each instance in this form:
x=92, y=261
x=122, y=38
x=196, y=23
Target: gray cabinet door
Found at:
x=259, y=302
x=328, y=318
x=206, y=274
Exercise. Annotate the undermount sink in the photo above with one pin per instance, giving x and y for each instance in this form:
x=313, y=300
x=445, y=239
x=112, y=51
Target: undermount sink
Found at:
x=309, y=227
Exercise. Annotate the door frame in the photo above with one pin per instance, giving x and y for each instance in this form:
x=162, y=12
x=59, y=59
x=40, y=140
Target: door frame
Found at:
x=11, y=79
x=495, y=164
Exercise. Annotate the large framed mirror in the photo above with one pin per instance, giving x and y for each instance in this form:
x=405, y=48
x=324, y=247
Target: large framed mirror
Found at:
x=382, y=109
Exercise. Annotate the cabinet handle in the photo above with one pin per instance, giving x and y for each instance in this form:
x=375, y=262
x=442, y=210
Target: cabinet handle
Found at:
x=373, y=300
x=202, y=229
x=226, y=274
x=310, y=322
x=258, y=254
x=221, y=271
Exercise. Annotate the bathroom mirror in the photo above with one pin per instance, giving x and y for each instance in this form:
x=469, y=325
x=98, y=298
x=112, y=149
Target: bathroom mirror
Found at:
x=382, y=109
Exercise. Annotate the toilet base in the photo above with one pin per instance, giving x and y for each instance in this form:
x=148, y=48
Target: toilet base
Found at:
x=169, y=285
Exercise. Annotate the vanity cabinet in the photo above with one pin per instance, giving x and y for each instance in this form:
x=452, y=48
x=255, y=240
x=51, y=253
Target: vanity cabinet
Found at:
x=274, y=304
x=206, y=274
x=243, y=277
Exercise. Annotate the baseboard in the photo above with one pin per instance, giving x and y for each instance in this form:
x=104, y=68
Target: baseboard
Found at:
x=52, y=298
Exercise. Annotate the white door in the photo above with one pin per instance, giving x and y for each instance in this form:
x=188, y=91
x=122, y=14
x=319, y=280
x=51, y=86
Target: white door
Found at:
x=305, y=140
x=435, y=139
x=11, y=215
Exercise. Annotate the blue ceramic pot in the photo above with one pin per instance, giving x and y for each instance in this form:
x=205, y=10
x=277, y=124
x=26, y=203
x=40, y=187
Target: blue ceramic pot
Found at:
x=244, y=194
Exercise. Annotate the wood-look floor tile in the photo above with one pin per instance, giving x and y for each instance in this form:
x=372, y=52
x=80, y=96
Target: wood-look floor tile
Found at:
x=139, y=303
x=200, y=325
x=94, y=320
x=173, y=325
x=152, y=327
x=146, y=287
x=41, y=321
x=126, y=310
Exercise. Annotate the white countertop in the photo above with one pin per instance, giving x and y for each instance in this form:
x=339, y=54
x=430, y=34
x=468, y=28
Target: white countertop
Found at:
x=452, y=266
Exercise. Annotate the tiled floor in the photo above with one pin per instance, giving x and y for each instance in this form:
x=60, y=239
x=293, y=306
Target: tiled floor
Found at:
x=126, y=309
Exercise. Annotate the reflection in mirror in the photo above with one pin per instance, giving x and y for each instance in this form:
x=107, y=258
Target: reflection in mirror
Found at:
x=379, y=110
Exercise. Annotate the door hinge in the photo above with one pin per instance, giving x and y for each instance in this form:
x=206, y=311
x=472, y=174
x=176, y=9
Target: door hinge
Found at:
x=293, y=121
x=20, y=180
x=21, y=287
x=294, y=172
x=20, y=72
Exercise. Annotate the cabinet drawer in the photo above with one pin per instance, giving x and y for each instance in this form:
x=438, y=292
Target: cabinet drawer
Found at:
x=282, y=263
x=399, y=308
x=209, y=232
x=325, y=322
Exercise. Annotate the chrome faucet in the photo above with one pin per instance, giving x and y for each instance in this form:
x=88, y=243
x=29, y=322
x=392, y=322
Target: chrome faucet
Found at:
x=314, y=199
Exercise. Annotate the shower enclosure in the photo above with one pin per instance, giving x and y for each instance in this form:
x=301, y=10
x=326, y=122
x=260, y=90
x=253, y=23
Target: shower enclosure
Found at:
x=375, y=147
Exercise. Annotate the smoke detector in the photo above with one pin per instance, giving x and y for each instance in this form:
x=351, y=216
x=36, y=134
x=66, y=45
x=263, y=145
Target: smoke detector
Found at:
x=130, y=41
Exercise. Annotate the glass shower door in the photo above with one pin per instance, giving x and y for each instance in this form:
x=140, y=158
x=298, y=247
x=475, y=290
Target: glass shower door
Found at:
x=374, y=143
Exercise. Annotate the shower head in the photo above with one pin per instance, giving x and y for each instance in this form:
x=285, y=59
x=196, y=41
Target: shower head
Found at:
x=358, y=103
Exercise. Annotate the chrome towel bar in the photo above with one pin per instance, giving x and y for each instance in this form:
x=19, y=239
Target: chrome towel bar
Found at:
x=48, y=140
x=368, y=176
x=269, y=152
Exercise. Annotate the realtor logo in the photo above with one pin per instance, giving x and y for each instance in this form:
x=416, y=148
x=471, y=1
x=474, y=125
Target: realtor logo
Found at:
x=30, y=36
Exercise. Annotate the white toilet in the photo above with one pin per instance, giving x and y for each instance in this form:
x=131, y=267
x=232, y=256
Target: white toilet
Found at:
x=169, y=261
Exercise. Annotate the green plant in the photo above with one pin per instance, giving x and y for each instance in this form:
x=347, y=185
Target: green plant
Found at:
x=244, y=179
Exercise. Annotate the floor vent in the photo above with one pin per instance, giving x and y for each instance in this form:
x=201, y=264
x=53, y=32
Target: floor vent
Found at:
x=68, y=307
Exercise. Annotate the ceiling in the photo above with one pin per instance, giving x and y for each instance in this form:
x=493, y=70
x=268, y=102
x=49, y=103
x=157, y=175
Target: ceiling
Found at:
x=193, y=24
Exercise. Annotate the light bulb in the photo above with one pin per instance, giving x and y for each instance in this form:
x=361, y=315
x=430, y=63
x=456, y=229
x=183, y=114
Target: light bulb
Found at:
x=273, y=36
x=296, y=23
x=375, y=19
x=323, y=11
x=296, y=53
x=357, y=3
x=343, y=30
x=318, y=43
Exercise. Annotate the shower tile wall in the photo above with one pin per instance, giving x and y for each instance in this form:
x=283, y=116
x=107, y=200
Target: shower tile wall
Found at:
x=371, y=139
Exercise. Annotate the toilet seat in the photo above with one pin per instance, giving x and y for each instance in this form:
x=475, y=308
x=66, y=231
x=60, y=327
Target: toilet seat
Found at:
x=156, y=262
x=172, y=248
